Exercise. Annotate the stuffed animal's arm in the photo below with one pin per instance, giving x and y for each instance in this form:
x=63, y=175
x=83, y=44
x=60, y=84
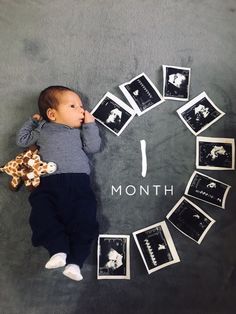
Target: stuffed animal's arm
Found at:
x=29, y=133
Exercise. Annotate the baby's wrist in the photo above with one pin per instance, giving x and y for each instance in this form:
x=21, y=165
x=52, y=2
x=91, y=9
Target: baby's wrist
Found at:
x=88, y=123
x=34, y=122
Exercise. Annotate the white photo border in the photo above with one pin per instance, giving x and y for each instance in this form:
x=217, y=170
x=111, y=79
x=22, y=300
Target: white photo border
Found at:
x=204, y=175
x=115, y=236
x=121, y=104
x=226, y=140
x=164, y=66
x=169, y=240
x=183, y=198
x=131, y=100
x=191, y=103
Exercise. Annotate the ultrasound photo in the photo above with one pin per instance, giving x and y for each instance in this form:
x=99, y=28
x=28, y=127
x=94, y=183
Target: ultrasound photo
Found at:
x=156, y=247
x=176, y=82
x=215, y=153
x=142, y=94
x=113, y=113
x=207, y=189
x=113, y=255
x=199, y=113
x=191, y=220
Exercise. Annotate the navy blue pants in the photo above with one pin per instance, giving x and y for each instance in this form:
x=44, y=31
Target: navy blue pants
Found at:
x=63, y=215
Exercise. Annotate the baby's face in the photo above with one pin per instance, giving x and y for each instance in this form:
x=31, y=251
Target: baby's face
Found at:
x=70, y=110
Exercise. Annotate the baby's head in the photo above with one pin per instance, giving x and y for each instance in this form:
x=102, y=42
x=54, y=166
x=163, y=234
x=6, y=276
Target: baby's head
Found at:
x=62, y=105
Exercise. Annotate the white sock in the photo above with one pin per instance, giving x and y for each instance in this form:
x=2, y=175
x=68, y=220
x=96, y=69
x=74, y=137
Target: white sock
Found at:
x=73, y=272
x=57, y=260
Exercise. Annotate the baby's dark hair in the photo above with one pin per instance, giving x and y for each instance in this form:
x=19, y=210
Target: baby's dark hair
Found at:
x=48, y=99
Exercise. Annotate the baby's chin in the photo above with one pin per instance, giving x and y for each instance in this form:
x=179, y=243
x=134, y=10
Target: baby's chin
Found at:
x=78, y=125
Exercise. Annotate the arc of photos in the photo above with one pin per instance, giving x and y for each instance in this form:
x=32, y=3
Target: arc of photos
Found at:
x=143, y=151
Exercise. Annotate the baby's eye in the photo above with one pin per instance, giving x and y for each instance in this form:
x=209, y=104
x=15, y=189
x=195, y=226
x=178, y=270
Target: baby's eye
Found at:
x=72, y=106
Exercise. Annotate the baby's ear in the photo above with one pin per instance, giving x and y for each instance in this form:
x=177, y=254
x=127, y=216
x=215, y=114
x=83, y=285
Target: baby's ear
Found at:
x=51, y=114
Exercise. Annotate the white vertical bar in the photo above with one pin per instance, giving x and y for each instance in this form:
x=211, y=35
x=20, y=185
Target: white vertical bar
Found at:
x=144, y=158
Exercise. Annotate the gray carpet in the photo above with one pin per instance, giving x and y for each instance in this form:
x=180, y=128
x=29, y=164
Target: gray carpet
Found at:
x=94, y=46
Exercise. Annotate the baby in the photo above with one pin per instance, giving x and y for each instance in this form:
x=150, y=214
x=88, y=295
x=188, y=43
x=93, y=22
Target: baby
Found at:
x=63, y=214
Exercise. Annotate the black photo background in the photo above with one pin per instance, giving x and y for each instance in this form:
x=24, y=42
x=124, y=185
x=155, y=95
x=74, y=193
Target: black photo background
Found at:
x=190, y=219
x=154, y=247
x=215, y=154
x=143, y=93
x=207, y=189
x=112, y=256
x=111, y=114
x=200, y=114
x=176, y=82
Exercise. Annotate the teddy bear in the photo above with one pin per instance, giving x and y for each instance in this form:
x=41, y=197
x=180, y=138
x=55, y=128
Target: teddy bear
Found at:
x=27, y=167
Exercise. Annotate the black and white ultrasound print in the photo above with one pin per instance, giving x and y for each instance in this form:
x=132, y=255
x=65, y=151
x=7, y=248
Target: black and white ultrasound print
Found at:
x=113, y=113
x=199, y=113
x=113, y=254
x=142, y=94
x=156, y=247
x=176, y=82
x=189, y=219
x=207, y=189
x=215, y=153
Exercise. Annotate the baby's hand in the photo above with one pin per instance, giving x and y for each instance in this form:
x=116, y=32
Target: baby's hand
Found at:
x=37, y=117
x=88, y=117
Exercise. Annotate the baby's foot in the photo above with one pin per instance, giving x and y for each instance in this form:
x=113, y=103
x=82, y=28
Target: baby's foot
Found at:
x=57, y=260
x=73, y=272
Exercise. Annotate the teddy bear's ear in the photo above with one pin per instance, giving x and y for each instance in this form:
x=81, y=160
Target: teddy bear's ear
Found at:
x=33, y=148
